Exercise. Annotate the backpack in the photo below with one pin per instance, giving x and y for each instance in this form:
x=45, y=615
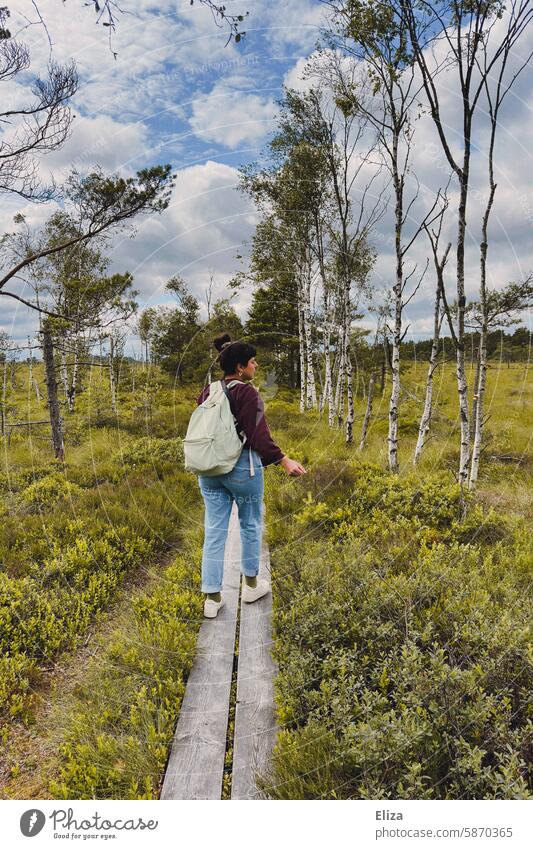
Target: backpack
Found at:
x=212, y=445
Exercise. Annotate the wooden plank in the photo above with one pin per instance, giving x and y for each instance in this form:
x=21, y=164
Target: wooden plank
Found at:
x=196, y=764
x=255, y=722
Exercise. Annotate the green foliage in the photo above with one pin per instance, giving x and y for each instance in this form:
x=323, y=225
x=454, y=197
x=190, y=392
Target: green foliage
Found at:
x=119, y=727
x=49, y=490
x=150, y=451
x=403, y=643
x=49, y=609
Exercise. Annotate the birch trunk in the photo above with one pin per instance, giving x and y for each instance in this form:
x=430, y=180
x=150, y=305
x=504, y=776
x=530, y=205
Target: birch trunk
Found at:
x=425, y=421
x=30, y=375
x=301, y=340
x=395, y=390
x=329, y=382
x=325, y=385
x=462, y=386
x=310, y=400
x=368, y=411
x=4, y=396
x=476, y=384
x=392, y=439
x=53, y=400
x=339, y=393
x=480, y=393
x=481, y=384
x=349, y=397
x=112, y=386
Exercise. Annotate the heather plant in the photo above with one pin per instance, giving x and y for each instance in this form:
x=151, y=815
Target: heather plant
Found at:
x=403, y=644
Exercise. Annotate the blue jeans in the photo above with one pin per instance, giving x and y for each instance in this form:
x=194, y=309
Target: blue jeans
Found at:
x=219, y=492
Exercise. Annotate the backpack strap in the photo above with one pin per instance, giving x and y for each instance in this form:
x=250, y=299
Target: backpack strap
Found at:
x=225, y=388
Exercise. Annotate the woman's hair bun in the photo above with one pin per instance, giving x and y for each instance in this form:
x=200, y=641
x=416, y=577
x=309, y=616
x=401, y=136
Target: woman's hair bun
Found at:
x=220, y=340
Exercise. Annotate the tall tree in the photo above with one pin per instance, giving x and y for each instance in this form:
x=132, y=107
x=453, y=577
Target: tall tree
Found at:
x=473, y=37
x=39, y=125
x=376, y=37
x=174, y=330
x=74, y=282
x=494, y=309
x=99, y=204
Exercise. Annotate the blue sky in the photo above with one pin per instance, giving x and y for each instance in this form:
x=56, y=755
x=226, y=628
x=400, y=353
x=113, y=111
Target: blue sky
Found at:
x=177, y=94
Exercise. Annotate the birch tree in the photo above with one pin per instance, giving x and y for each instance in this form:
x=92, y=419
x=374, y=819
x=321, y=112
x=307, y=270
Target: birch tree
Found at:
x=438, y=315
x=494, y=309
x=377, y=37
x=288, y=194
x=337, y=135
x=475, y=37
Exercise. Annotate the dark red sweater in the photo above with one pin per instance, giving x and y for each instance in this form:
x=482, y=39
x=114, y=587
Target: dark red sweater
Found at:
x=250, y=414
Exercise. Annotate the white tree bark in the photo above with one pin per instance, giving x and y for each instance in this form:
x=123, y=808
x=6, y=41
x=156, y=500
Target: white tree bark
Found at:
x=395, y=375
x=111, y=371
x=368, y=411
x=479, y=389
x=301, y=346
x=310, y=399
x=425, y=421
x=4, y=396
x=350, y=414
x=30, y=375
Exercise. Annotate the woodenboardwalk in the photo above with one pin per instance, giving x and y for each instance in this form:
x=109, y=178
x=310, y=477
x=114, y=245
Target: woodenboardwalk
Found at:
x=196, y=764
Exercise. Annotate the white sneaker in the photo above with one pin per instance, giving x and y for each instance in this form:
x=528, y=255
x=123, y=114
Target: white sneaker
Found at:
x=253, y=593
x=211, y=607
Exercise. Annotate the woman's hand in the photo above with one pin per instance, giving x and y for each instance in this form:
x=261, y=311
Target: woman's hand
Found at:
x=292, y=467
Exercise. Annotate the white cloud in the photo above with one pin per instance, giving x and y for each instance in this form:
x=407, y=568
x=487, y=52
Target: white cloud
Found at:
x=202, y=229
x=232, y=117
x=112, y=144
x=293, y=22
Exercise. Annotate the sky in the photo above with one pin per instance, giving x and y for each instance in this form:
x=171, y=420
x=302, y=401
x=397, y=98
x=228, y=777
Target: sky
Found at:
x=178, y=93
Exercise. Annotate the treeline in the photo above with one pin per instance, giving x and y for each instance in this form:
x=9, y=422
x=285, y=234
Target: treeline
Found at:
x=509, y=347
x=342, y=156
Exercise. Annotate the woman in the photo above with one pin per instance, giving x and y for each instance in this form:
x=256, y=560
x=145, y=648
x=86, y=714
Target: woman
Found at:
x=244, y=484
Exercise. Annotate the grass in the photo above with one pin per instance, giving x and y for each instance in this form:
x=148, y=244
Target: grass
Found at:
x=78, y=721
x=402, y=632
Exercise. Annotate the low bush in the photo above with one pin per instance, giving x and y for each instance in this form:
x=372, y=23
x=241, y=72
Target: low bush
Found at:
x=402, y=640
x=150, y=451
x=49, y=490
x=49, y=609
x=121, y=721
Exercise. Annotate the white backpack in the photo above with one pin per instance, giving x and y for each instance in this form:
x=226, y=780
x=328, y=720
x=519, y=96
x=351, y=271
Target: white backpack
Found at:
x=212, y=445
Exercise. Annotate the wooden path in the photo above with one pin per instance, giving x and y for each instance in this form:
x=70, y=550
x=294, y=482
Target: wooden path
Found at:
x=196, y=764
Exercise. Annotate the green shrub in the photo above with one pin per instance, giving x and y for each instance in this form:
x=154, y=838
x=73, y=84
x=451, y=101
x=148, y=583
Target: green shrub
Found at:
x=402, y=641
x=50, y=609
x=120, y=727
x=150, y=451
x=49, y=490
